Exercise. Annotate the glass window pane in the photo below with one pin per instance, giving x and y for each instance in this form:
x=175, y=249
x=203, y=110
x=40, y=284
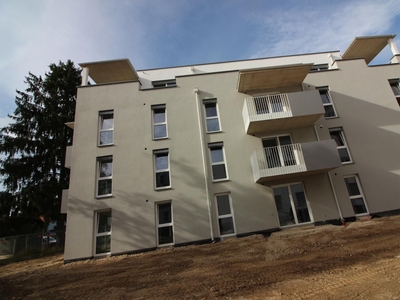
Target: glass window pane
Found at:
x=160, y=131
x=217, y=155
x=300, y=203
x=223, y=204
x=165, y=235
x=159, y=115
x=104, y=221
x=337, y=137
x=324, y=96
x=276, y=104
x=352, y=186
x=106, y=168
x=226, y=225
x=164, y=213
x=212, y=125
x=162, y=179
x=211, y=109
x=358, y=206
x=395, y=88
x=344, y=155
x=261, y=105
x=106, y=137
x=283, y=205
x=107, y=121
x=104, y=187
x=161, y=161
x=219, y=171
x=329, y=111
x=103, y=244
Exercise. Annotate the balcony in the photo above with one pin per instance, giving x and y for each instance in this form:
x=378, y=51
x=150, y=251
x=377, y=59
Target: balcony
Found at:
x=294, y=160
x=281, y=111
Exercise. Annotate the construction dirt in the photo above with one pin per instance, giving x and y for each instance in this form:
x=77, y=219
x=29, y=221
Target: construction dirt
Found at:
x=357, y=261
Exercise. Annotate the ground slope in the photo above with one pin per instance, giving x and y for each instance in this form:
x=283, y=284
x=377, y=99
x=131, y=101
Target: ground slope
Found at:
x=358, y=261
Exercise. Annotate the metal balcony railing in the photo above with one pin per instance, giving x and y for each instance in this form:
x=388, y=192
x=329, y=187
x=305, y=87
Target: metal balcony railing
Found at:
x=268, y=107
x=279, y=160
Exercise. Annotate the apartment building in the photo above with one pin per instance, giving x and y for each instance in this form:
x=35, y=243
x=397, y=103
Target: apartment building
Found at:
x=192, y=154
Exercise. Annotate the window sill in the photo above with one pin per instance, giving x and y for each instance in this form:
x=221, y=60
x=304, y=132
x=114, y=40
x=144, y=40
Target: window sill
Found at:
x=105, y=145
x=104, y=196
x=347, y=162
x=163, y=188
x=211, y=132
x=335, y=117
x=161, y=138
x=220, y=180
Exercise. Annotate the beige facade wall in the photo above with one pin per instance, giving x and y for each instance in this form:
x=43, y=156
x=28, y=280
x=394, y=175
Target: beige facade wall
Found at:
x=368, y=114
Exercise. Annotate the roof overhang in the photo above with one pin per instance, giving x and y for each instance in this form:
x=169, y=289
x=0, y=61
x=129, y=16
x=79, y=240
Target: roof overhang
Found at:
x=111, y=71
x=272, y=77
x=70, y=124
x=367, y=47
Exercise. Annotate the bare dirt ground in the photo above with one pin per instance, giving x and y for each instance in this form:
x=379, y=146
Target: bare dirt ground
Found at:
x=359, y=261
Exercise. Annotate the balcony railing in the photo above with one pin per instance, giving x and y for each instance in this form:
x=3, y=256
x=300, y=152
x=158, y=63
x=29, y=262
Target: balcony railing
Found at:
x=281, y=111
x=279, y=160
x=268, y=107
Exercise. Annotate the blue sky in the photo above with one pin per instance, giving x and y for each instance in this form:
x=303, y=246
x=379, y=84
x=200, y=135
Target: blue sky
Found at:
x=159, y=33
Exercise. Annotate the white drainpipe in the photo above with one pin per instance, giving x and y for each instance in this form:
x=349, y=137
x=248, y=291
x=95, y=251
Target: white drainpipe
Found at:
x=203, y=156
x=331, y=182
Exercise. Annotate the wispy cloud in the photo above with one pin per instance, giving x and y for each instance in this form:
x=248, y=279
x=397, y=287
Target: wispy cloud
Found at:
x=313, y=28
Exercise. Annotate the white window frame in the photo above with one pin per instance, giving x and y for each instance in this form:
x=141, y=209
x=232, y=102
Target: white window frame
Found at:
x=101, y=114
x=231, y=215
x=155, y=153
x=279, y=149
x=97, y=234
x=211, y=101
x=345, y=145
x=153, y=108
x=223, y=162
x=98, y=178
x=361, y=195
x=170, y=224
x=395, y=84
x=328, y=95
x=295, y=216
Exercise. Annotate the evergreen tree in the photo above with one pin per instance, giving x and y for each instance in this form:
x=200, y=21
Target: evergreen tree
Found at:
x=34, y=145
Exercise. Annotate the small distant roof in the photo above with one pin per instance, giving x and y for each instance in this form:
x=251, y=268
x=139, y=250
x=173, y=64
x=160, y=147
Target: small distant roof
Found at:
x=111, y=71
x=367, y=47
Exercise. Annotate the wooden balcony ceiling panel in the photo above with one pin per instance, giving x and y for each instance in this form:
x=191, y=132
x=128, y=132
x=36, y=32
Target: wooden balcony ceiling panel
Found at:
x=272, y=77
x=111, y=71
x=367, y=47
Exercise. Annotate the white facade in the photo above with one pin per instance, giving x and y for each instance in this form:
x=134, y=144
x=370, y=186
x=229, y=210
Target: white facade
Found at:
x=198, y=153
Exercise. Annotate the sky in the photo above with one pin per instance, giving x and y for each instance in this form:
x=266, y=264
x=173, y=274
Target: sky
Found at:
x=160, y=33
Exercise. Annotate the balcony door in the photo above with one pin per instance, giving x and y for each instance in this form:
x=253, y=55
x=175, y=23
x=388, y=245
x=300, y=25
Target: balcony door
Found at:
x=279, y=151
x=291, y=204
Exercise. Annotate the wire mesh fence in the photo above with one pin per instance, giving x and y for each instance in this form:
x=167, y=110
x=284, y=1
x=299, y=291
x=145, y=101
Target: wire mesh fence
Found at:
x=31, y=244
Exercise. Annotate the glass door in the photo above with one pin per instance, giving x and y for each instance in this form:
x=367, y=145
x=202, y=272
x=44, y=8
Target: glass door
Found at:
x=279, y=151
x=291, y=204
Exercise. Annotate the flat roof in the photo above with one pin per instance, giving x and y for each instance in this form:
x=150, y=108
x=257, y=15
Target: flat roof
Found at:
x=272, y=77
x=110, y=71
x=367, y=47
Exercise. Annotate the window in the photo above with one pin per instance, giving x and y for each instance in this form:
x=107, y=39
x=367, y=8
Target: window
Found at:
x=103, y=232
x=165, y=231
x=106, y=132
x=211, y=111
x=291, y=203
x=395, y=85
x=159, y=122
x=338, y=135
x=164, y=83
x=327, y=102
x=104, y=176
x=225, y=215
x=161, y=165
x=218, y=161
x=319, y=67
x=356, y=195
